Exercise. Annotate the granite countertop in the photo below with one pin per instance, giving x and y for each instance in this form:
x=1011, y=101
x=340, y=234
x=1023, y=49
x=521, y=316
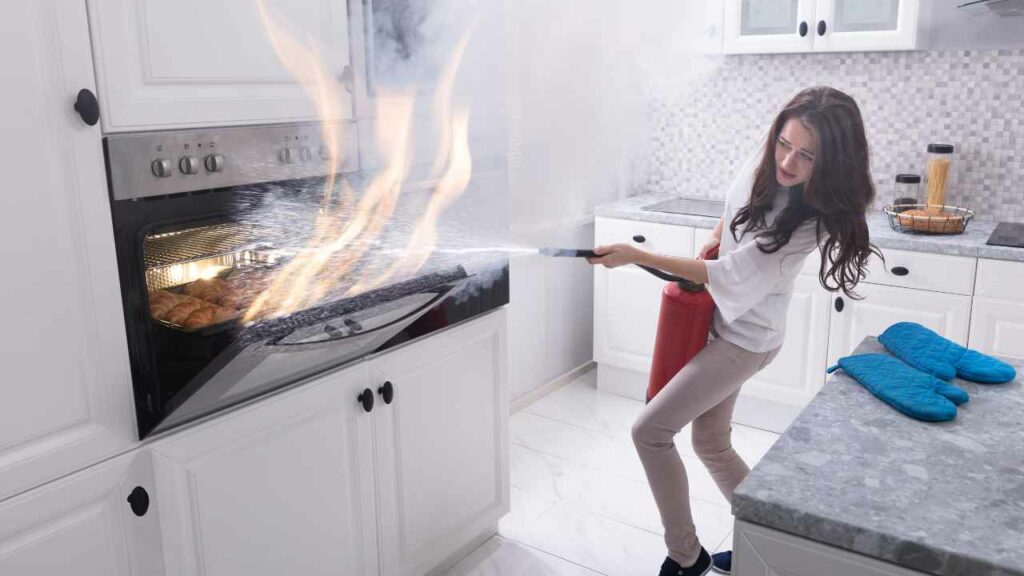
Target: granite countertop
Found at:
x=941, y=498
x=971, y=243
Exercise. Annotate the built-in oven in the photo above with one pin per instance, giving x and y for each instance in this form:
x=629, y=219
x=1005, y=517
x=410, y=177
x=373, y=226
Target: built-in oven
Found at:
x=205, y=221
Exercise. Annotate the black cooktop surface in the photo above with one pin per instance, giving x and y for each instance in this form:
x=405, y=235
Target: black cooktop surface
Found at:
x=1008, y=234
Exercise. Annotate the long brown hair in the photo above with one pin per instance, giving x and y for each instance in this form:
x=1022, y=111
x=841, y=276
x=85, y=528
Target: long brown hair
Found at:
x=837, y=194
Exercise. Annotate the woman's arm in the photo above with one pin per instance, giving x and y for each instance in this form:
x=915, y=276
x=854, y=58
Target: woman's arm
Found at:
x=713, y=241
x=622, y=254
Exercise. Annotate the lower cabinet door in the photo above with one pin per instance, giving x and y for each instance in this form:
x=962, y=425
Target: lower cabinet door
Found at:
x=997, y=327
x=883, y=306
x=442, y=445
x=100, y=521
x=284, y=486
x=798, y=371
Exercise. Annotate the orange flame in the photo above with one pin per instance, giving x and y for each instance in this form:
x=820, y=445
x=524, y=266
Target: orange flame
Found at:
x=341, y=237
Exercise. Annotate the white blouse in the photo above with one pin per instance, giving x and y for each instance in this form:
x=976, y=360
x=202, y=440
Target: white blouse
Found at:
x=752, y=289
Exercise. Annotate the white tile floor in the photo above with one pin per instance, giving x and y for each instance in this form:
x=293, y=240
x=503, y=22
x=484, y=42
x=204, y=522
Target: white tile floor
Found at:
x=580, y=502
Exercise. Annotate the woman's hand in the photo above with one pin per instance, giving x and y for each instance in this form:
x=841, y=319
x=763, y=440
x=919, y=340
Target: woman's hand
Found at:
x=616, y=255
x=708, y=246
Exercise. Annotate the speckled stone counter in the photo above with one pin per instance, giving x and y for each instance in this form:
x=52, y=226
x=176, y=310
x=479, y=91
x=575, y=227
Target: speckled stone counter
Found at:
x=970, y=243
x=945, y=498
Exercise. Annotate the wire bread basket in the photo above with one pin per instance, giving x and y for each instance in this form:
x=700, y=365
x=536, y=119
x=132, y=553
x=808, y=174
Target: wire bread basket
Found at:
x=928, y=219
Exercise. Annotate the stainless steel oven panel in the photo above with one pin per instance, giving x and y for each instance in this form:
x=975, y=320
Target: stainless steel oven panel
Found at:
x=162, y=163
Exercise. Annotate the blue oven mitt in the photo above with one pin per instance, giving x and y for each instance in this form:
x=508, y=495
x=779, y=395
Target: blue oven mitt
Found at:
x=927, y=351
x=912, y=392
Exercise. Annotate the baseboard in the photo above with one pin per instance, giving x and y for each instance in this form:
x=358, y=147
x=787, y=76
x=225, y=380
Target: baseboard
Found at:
x=622, y=382
x=542, y=391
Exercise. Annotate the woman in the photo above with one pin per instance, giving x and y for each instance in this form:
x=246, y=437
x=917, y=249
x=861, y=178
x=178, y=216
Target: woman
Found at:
x=810, y=190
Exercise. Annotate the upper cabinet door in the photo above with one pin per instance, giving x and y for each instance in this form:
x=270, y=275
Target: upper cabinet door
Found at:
x=766, y=26
x=67, y=396
x=858, y=25
x=188, y=63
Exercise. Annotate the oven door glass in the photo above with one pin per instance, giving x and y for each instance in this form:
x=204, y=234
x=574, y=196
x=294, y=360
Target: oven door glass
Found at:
x=271, y=356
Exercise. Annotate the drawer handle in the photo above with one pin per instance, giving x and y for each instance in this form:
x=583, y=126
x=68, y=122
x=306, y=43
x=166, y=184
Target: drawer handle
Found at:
x=366, y=399
x=803, y=29
x=387, y=392
x=900, y=271
x=639, y=239
x=139, y=501
x=840, y=304
x=822, y=27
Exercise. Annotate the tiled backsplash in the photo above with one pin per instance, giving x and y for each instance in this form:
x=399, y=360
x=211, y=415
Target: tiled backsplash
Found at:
x=973, y=99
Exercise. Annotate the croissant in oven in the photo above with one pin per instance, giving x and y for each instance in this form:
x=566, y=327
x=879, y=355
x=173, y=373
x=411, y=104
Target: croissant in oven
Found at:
x=212, y=290
x=207, y=315
x=183, y=310
x=160, y=303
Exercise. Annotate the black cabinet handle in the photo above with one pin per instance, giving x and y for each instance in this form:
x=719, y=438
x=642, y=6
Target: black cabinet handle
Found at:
x=366, y=399
x=87, y=107
x=387, y=392
x=840, y=304
x=821, y=27
x=139, y=501
x=900, y=271
x=639, y=239
x=803, y=29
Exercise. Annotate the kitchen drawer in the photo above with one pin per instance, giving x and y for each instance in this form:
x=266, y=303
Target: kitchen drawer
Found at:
x=997, y=327
x=921, y=271
x=1000, y=279
x=659, y=238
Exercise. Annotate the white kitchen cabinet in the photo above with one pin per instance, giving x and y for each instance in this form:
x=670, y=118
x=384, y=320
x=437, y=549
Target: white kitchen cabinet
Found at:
x=627, y=300
x=774, y=26
x=997, y=327
x=997, y=319
x=66, y=382
x=774, y=397
x=761, y=551
x=83, y=524
x=863, y=25
x=309, y=482
x=767, y=26
x=883, y=306
x=190, y=63
x=442, y=446
x=284, y=486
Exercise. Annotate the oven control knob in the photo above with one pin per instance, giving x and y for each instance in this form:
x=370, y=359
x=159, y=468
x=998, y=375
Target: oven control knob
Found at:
x=214, y=163
x=189, y=165
x=324, y=152
x=287, y=156
x=305, y=154
x=161, y=167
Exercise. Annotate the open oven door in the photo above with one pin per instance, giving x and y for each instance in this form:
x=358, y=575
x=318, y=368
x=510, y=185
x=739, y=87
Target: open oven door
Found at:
x=274, y=354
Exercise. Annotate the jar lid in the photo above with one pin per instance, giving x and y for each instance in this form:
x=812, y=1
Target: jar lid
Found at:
x=908, y=178
x=940, y=148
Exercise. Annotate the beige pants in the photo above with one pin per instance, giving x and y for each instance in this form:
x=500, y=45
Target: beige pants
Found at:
x=703, y=392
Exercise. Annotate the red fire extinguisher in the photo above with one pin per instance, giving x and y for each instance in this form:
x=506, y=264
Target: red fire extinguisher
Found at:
x=683, y=326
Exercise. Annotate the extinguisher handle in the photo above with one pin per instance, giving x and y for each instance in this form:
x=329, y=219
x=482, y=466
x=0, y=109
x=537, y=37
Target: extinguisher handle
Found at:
x=663, y=275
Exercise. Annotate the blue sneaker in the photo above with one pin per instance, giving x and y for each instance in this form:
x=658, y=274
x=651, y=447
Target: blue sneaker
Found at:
x=701, y=567
x=722, y=562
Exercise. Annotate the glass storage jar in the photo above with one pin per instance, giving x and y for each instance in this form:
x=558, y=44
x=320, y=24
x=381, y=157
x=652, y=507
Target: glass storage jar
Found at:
x=939, y=173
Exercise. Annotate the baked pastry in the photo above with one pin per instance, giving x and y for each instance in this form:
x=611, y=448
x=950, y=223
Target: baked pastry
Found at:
x=160, y=303
x=183, y=310
x=211, y=290
x=207, y=315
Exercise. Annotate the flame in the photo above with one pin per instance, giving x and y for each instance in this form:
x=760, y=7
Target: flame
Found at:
x=344, y=235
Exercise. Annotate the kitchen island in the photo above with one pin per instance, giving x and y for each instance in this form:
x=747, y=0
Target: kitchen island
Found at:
x=855, y=487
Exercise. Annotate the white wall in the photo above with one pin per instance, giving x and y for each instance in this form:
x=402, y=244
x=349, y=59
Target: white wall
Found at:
x=581, y=73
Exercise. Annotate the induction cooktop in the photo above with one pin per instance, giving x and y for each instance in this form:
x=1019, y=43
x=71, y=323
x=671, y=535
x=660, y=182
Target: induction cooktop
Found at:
x=1008, y=234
